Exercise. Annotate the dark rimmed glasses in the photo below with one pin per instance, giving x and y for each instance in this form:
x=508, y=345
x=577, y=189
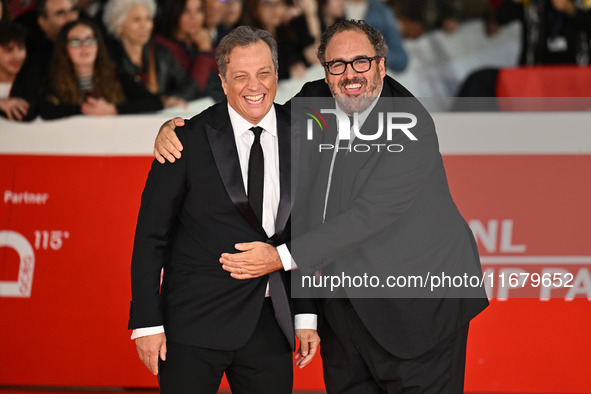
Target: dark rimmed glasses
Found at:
x=360, y=65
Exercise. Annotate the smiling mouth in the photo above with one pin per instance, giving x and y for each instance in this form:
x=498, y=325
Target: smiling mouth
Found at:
x=255, y=99
x=353, y=86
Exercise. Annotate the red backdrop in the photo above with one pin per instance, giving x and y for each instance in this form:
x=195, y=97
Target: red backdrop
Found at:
x=78, y=215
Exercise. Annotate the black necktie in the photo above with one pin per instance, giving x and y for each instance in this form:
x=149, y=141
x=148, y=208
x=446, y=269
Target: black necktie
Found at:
x=256, y=177
x=256, y=174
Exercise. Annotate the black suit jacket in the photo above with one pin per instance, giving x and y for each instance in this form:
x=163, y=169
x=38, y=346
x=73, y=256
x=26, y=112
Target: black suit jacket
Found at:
x=391, y=214
x=192, y=211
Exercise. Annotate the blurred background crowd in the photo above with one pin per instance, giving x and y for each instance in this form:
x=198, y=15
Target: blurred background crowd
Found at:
x=65, y=57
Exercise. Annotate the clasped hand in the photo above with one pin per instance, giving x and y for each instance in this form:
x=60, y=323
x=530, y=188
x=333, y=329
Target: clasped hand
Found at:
x=255, y=260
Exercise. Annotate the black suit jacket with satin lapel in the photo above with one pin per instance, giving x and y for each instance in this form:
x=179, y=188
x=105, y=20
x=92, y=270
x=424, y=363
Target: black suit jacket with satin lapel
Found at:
x=191, y=212
x=391, y=210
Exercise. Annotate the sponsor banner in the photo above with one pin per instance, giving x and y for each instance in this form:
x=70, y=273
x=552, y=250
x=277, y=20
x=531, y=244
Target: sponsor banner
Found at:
x=529, y=214
x=567, y=81
x=66, y=233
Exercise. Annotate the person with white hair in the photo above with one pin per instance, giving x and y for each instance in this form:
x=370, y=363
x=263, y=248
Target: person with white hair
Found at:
x=131, y=23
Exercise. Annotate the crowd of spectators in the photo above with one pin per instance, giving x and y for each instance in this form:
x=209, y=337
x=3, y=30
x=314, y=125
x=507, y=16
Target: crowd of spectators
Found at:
x=100, y=57
x=82, y=79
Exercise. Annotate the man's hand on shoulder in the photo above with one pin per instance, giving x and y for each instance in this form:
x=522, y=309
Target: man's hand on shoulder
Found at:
x=309, y=343
x=167, y=145
x=255, y=260
x=149, y=348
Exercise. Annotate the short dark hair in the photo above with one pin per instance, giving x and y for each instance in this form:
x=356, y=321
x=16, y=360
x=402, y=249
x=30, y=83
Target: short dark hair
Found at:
x=12, y=32
x=374, y=36
x=243, y=36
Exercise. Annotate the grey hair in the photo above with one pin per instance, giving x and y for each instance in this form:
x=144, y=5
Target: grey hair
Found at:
x=116, y=11
x=244, y=36
x=374, y=36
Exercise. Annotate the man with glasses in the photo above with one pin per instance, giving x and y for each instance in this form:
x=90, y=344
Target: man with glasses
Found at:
x=46, y=20
x=54, y=14
x=391, y=210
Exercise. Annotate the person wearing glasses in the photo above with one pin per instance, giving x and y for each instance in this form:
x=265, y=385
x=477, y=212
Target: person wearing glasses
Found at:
x=42, y=25
x=393, y=211
x=83, y=81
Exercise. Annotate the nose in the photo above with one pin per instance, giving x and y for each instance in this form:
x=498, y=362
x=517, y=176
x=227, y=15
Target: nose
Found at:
x=252, y=84
x=349, y=72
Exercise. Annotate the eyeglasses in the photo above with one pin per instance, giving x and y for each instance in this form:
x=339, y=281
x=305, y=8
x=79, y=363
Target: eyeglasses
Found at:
x=360, y=65
x=77, y=42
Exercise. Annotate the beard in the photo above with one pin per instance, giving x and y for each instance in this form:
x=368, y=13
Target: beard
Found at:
x=350, y=104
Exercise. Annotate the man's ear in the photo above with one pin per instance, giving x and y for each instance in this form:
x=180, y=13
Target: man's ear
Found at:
x=382, y=66
x=224, y=86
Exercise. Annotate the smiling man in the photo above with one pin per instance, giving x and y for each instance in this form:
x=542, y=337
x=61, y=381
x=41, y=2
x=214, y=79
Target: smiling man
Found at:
x=232, y=184
x=390, y=210
x=383, y=212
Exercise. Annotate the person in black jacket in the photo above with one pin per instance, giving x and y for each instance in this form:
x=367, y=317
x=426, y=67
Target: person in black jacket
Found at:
x=82, y=79
x=233, y=183
x=553, y=31
x=17, y=97
x=42, y=23
x=131, y=22
x=376, y=212
x=182, y=31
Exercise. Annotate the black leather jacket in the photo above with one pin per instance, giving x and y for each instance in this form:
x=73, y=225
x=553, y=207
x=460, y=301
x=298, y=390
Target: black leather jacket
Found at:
x=172, y=79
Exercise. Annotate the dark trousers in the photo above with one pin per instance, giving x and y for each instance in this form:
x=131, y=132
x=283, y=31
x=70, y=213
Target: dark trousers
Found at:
x=263, y=365
x=354, y=362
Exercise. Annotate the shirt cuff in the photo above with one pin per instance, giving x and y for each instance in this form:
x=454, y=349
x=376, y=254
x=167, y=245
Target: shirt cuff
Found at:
x=304, y=321
x=285, y=256
x=144, y=332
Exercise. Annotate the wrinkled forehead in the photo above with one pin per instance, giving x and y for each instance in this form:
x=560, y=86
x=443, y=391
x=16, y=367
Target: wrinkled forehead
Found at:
x=252, y=56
